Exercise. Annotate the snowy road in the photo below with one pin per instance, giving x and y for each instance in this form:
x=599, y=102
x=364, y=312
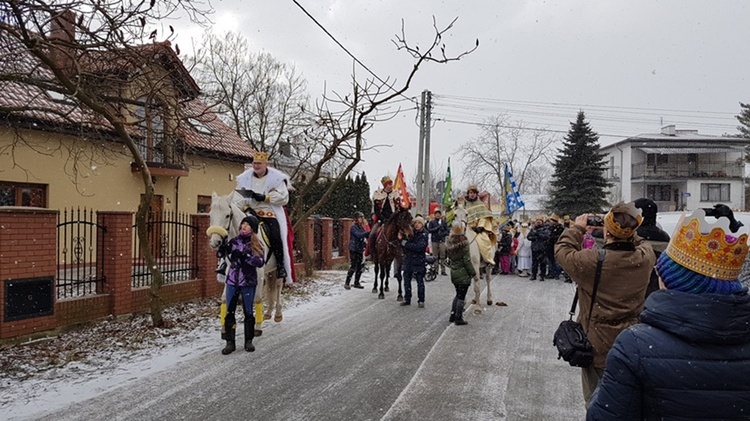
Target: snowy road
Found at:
x=350, y=356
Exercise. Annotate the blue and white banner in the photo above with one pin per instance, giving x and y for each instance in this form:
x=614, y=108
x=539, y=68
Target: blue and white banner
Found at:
x=513, y=200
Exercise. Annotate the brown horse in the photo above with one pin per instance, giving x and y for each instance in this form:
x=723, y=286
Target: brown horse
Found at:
x=388, y=249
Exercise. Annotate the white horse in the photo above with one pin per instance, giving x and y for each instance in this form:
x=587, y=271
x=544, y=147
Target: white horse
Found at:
x=476, y=260
x=225, y=217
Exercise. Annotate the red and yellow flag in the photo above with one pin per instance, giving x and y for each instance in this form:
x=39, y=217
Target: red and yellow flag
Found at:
x=400, y=186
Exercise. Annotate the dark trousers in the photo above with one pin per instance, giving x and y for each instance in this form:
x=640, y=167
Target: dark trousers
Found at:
x=233, y=297
x=418, y=274
x=538, y=263
x=274, y=237
x=355, y=267
x=461, y=291
x=553, y=267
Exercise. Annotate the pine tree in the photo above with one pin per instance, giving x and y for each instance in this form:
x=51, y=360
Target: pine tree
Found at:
x=744, y=119
x=578, y=184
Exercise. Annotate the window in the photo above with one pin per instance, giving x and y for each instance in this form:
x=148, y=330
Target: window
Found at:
x=204, y=204
x=657, y=159
x=199, y=126
x=659, y=193
x=23, y=194
x=151, y=121
x=715, y=192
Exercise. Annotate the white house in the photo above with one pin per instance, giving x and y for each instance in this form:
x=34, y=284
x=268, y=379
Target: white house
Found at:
x=678, y=169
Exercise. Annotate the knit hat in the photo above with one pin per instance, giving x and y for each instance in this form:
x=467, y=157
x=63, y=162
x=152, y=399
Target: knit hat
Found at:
x=358, y=214
x=418, y=219
x=457, y=228
x=614, y=228
x=703, y=257
x=648, y=210
x=252, y=221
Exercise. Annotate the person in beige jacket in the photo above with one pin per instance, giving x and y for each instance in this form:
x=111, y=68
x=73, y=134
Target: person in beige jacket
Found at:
x=625, y=275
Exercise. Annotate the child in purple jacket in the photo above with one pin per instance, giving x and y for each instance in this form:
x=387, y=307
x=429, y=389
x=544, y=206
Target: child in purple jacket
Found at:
x=245, y=255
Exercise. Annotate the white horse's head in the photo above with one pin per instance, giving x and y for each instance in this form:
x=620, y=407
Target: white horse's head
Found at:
x=225, y=217
x=460, y=213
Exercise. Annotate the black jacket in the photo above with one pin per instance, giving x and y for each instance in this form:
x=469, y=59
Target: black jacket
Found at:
x=414, y=250
x=438, y=230
x=689, y=358
x=539, y=238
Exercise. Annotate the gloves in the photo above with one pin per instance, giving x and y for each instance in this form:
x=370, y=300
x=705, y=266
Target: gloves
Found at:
x=236, y=255
x=260, y=197
x=223, y=250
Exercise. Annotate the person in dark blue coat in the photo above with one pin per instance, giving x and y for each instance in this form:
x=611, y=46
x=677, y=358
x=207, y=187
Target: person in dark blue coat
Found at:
x=415, y=246
x=357, y=240
x=689, y=358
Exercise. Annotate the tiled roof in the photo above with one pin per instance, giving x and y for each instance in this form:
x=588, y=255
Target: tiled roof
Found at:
x=31, y=105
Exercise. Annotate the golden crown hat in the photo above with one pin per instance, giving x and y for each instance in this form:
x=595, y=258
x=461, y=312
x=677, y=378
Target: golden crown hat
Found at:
x=473, y=188
x=259, y=156
x=705, y=248
x=614, y=227
x=385, y=180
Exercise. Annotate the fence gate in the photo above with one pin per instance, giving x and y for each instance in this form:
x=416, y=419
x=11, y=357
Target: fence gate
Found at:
x=80, y=243
x=171, y=238
x=318, y=242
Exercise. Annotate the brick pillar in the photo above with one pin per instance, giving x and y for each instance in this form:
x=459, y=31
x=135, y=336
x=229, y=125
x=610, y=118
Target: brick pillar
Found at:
x=118, y=259
x=346, y=225
x=327, y=249
x=206, y=258
x=311, y=240
x=28, y=249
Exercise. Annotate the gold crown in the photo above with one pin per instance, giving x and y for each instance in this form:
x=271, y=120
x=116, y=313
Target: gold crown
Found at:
x=473, y=188
x=385, y=180
x=259, y=156
x=711, y=254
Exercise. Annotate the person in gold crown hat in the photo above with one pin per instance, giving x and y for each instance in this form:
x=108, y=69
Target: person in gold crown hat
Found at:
x=384, y=203
x=625, y=275
x=479, y=218
x=689, y=357
x=266, y=191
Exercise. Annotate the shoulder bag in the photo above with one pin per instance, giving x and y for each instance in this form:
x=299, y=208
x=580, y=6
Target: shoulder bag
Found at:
x=570, y=339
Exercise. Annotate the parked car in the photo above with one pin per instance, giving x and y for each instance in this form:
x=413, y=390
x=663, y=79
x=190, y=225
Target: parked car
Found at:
x=668, y=220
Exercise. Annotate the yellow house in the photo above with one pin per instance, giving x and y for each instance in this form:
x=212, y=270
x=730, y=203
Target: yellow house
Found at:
x=62, y=160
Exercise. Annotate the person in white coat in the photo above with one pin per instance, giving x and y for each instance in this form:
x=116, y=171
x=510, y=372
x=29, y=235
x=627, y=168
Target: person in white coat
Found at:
x=524, y=251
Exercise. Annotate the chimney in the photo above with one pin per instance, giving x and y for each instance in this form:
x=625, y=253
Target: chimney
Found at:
x=62, y=40
x=668, y=130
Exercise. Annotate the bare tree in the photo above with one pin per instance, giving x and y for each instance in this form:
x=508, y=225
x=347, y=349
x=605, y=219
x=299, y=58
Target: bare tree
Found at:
x=262, y=99
x=101, y=58
x=501, y=141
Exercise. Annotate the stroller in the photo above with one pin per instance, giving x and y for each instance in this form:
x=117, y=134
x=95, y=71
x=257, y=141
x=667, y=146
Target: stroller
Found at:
x=431, y=270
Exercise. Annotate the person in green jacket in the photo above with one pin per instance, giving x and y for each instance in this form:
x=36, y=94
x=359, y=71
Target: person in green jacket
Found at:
x=462, y=270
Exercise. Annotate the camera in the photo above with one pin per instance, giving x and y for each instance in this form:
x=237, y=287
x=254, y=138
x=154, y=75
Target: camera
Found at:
x=595, y=221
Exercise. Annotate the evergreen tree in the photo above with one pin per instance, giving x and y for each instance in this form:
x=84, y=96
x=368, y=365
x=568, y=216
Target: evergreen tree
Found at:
x=744, y=119
x=578, y=184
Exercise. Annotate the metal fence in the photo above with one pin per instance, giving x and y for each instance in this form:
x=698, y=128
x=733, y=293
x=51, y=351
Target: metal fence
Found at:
x=336, y=248
x=170, y=238
x=80, y=240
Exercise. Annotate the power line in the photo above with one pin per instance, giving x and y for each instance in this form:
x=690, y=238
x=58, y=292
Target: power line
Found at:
x=356, y=60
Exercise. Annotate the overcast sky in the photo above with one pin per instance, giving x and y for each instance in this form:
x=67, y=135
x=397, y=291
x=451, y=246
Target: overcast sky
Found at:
x=631, y=66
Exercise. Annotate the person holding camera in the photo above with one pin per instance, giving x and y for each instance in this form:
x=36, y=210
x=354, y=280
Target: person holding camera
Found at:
x=625, y=275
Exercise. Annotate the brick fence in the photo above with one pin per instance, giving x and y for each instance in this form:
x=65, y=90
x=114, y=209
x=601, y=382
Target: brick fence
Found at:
x=28, y=256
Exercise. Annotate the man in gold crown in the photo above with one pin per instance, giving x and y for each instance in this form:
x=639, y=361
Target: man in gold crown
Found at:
x=479, y=218
x=384, y=203
x=689, y=357
x=625, y=273
x=266, y=191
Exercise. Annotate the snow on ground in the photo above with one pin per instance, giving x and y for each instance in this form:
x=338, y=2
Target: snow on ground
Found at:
x=50, y=373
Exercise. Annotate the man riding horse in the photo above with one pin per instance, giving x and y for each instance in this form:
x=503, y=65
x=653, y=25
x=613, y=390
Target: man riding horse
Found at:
x=266, y=191
x=479, y=218
x=384, y=202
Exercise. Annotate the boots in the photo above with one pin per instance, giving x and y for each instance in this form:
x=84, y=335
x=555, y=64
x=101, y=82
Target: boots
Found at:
x=280, y=271
x=460, y=313
x=230, y=330
x=356, y=282
x=249, y=333
x=348, y=279
x=452, y=318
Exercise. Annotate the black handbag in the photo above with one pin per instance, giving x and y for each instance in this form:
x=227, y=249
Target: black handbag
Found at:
x=572, y=344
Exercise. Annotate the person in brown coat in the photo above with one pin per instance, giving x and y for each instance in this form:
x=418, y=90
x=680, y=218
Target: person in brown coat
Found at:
x=625, y=276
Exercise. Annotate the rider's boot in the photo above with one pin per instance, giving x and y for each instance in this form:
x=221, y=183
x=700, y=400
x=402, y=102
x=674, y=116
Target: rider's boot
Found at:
x=280, y=271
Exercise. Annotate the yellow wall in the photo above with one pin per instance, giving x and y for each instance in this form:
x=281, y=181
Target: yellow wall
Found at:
x=102, y=180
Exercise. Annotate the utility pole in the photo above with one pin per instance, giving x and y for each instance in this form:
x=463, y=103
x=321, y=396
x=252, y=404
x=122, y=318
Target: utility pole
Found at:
x=427, y=182
x=420, y=175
